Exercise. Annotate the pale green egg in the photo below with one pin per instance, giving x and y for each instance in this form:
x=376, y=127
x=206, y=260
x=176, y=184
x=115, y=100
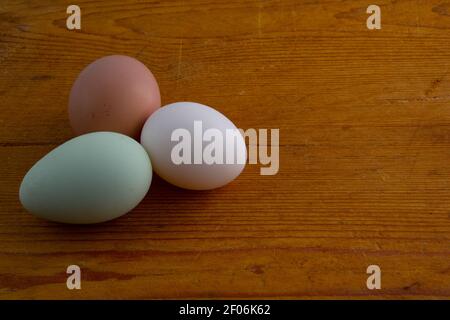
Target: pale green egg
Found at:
x=92, y=178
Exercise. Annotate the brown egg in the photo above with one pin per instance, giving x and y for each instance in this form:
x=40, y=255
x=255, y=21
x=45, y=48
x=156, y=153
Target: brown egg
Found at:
x=114, y=93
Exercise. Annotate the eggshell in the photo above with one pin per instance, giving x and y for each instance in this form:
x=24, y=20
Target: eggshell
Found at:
x=92, y=178
x=156, y=139
x=114, y=93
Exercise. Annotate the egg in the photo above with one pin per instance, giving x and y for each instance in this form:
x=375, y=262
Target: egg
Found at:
x=188, y=146
x=92, y=178
x=114, y=93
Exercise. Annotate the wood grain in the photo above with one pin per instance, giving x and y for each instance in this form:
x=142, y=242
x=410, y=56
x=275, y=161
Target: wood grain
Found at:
x=364, y=119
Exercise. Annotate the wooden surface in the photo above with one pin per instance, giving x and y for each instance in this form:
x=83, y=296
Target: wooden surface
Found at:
x=364, y=119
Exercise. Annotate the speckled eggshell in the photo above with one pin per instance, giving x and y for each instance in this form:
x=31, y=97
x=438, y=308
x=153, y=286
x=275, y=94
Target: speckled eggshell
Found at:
x=114, y=93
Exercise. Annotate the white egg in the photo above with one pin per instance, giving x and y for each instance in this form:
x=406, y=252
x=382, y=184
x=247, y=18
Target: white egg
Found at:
x=194, y=146
x=93, y=178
